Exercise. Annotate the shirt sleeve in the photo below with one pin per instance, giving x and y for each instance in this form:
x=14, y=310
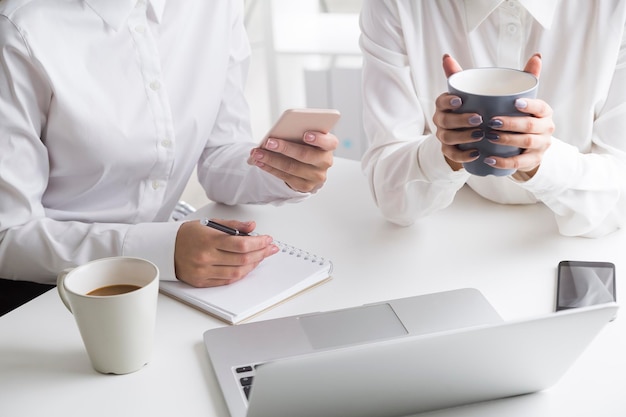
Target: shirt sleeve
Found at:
x=407, y=173
x=586, y=189
x=33, y=246
x=226, y=153
x=586, y=192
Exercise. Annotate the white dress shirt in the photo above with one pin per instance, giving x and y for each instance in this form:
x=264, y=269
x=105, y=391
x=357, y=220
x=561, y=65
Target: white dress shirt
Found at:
x=582, y=177
x=106, y=107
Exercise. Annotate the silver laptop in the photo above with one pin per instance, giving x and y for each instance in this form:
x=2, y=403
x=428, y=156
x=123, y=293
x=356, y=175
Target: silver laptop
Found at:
x=395, y=358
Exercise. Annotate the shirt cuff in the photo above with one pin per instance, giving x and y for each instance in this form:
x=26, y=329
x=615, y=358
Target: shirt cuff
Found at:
x=278, y=187
x=433, y=164
x=559, y=167
x=154, y=242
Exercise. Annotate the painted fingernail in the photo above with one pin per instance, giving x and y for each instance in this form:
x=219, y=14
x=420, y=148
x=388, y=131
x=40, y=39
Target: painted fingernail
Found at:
x=489, y=161
x=456, y=102
x=474, y=154
x=271, y=144
x=478, y=134
x=520, y=103
x=475, y=120
x=492, y=136
x=309, y=137
x=496, y=123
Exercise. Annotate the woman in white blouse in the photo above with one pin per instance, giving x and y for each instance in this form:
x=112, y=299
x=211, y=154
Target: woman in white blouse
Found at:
x=106, y=108
x=574, y=135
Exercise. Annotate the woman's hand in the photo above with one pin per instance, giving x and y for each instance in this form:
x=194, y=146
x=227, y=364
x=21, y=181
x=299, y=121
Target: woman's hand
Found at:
x=205, y=257
x=532, y=133
x=302, y=166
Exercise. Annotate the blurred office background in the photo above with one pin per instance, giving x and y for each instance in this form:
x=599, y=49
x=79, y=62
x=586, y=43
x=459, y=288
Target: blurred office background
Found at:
x=305, y=53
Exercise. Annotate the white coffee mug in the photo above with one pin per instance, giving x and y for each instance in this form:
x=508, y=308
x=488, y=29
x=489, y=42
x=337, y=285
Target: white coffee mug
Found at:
x=117, y=329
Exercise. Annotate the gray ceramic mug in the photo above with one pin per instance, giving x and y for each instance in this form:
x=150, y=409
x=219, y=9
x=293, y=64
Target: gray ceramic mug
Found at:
x=491, y=92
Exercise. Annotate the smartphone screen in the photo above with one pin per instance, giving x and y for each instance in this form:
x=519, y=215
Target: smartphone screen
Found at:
x=584, y=283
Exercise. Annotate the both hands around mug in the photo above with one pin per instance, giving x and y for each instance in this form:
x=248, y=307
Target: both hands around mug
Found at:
x=532, y=133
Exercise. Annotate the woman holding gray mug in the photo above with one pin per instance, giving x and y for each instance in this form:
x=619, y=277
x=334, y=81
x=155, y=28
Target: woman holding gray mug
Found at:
x=459, y=131
x=571, y=151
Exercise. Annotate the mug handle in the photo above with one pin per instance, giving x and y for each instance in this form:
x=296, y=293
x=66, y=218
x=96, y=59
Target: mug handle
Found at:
x=61, y=287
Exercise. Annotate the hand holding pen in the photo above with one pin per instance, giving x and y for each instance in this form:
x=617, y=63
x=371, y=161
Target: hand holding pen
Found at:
x=223, y=228
x=210, y=253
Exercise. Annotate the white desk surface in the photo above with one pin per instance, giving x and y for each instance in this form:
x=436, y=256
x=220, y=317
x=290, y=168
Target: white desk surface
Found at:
x=510, y=253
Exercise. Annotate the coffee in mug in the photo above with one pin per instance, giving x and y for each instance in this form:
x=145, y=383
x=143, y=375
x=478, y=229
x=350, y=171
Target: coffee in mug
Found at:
x=114, y=302
x=113, y=290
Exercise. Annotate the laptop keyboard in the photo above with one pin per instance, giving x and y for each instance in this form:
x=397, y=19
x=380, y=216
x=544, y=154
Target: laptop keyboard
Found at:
x=245, y=376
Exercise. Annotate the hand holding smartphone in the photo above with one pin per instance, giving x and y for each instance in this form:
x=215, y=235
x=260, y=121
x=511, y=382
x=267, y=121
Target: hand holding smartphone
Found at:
x=300, y=164
x=293, y=123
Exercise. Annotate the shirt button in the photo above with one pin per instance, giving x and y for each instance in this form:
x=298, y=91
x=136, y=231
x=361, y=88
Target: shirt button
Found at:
x=512, y=29
x=140, y=29
x=166, y=143
x=155, y=85
x=140, y=3
x=156, y=185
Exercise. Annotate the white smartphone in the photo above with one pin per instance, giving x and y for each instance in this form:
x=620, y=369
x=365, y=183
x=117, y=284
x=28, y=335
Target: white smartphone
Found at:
x=292, y=124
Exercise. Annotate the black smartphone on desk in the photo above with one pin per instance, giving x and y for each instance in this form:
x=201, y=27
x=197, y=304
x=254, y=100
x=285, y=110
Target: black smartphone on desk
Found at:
x=584, y=283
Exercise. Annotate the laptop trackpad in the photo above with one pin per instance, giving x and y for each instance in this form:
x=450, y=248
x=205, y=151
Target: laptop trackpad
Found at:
x=350, y=326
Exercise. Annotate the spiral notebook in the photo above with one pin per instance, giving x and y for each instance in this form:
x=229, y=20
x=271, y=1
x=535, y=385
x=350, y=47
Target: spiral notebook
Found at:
x=279, y=277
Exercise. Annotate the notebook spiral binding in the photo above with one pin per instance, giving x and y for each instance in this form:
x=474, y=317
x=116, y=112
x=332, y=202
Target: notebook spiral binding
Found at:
x=299, y=253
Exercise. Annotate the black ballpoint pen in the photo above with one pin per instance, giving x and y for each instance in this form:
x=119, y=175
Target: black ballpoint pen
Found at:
x=222, y=228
